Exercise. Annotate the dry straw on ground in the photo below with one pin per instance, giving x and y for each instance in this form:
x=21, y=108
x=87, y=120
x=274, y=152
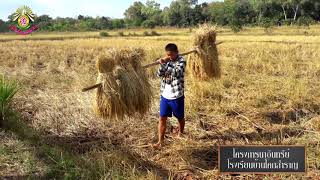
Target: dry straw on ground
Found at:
x=205, y=63
x=125, y=88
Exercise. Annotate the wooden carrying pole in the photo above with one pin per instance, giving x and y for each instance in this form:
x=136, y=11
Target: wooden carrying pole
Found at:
x=156, y=62
x=145, y=66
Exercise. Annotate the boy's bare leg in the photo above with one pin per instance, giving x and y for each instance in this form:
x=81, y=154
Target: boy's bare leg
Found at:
x=181, y=126
x=161, y=131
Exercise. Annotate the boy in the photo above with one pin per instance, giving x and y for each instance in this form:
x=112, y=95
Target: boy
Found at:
x=171, y=72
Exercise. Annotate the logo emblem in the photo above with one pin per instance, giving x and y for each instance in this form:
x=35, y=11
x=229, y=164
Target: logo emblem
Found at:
x=23, y=20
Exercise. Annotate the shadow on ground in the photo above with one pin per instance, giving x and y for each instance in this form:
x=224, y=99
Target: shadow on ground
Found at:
x=49, y=146
x=202, y=157
x=267, y=135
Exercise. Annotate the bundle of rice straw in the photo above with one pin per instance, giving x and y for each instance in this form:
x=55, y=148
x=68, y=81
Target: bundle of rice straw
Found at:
x=205, y=63
x=125, y=88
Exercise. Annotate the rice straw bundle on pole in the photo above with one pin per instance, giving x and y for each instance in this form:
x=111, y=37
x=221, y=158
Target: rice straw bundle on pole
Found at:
x=125, y=89
x=205, y=63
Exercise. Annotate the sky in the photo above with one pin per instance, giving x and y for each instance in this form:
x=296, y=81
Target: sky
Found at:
x=72, y=8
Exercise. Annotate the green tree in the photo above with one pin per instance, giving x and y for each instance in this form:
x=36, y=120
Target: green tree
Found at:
x=102, y=23
x=285, y=5
x=44, y=22
x=243, y=12
x=133, y=15
x=311, y=8
x=217, y=13
x=172, y=14
x=259, y=6
x=3, y=26
x=118, y=24
x=152, y=12
x=180, y=13
x=295, y=6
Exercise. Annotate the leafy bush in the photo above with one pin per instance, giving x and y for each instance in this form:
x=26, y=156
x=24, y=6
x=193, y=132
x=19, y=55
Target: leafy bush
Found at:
x=133, y=34
x=235, y=26
x=287, y=22
x=266, y=22
x=305, y=21
x=146, y=33
x=7, y=90
x=104, y=34
x=120, y=33
x=154, y=33
x=149, y=24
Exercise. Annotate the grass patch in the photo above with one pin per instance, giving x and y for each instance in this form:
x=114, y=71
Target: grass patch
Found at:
x=104, y=34
x=121, y=34
x=152, y=33
x=7, y=90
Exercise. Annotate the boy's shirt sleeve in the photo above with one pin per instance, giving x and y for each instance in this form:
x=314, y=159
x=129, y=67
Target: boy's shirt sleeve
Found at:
x=179, y=69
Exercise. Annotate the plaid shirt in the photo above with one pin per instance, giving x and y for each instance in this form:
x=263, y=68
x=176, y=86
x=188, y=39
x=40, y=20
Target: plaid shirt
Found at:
x=172, y=73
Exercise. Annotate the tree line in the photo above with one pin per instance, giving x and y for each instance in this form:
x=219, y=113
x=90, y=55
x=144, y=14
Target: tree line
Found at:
x=188, y=13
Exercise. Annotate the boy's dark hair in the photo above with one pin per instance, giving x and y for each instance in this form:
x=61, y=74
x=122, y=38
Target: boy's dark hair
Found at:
x=171, y=47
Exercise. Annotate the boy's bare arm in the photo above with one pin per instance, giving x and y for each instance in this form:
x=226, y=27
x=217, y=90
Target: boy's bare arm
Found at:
x=164, y=60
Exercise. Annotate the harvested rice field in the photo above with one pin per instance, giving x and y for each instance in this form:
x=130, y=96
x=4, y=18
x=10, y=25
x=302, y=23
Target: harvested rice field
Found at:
x=268, y=94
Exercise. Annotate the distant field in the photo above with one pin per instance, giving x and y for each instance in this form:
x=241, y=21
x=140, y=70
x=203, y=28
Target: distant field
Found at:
x=270, y=81
x=251, y=31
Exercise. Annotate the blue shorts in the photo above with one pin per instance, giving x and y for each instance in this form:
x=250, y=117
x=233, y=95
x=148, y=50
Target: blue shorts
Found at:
x=174, y=106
